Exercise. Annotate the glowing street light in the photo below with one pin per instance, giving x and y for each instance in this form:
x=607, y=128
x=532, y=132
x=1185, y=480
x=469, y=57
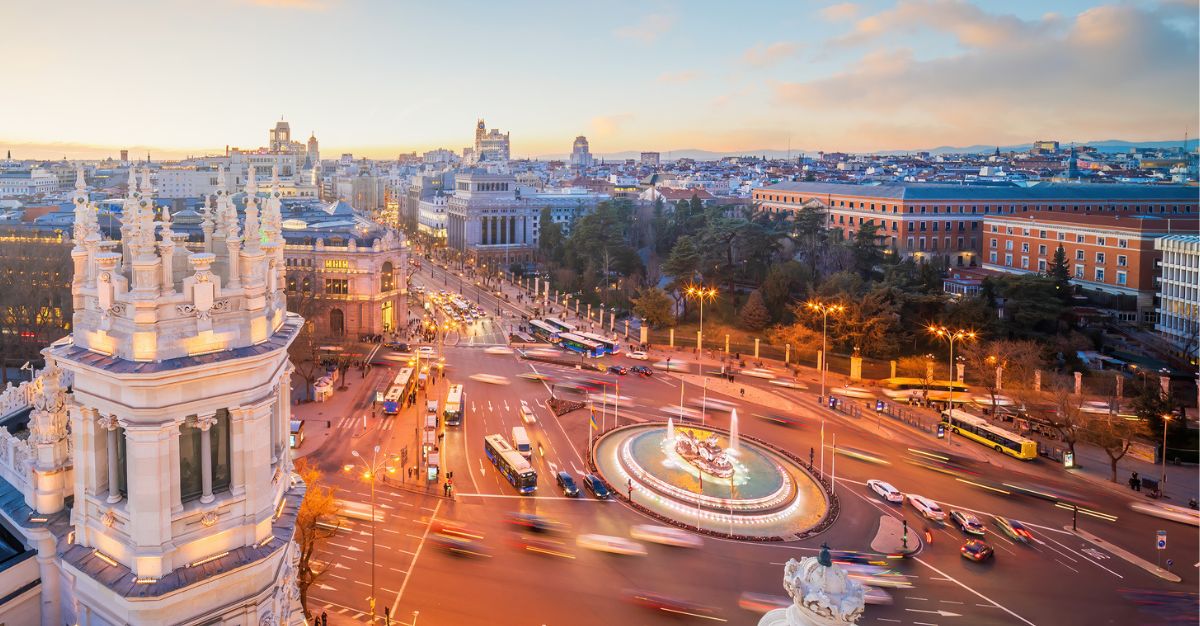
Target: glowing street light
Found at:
x=370, y=470
x=951, y=335
x=824, y=308
x=701, y=293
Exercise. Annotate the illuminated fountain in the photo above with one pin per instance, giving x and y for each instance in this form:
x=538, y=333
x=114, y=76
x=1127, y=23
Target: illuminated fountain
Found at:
x=711, y=479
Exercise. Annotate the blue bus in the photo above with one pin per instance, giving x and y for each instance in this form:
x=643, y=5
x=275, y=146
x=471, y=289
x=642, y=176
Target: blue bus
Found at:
x=559, y=325
x=610, y=346
x=543, y=331
x=580, y=344
x=514, y=467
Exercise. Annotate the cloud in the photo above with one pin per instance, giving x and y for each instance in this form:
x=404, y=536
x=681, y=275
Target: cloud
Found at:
x=1087, y=79
x=304, y=5
x=648, y=29
x=678, y=78
x=840, y=11
x=972, y=26
x=763, y=55
x=609, y=125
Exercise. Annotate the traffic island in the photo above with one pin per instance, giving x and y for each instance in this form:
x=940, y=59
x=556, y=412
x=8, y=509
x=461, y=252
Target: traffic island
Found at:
x=890, y=538
x=1125, y=554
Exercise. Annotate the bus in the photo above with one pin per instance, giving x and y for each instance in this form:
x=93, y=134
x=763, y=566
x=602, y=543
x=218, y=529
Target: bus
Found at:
x=978, y=429
x=576, y=343
x=543, y=331
x=400, y=387
x=559, y=325
x=514, y=467
x=900, y=383
x=453, y=411
x=610, y=346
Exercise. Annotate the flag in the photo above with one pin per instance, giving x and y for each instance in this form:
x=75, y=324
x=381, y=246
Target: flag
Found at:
x=595, y=426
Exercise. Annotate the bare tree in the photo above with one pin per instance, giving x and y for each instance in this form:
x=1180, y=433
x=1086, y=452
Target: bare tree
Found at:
x=316, y=522
x=1015, y=360
x=1065, y=414
x=1114, y=434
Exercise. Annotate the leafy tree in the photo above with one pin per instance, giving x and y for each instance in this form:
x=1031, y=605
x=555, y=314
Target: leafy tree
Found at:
x=1032, y=304
x=754, y=315
x=316, y=522
x=799, y=335
x=684, y=262
x=655, y=306
x=868, y=252
x=867, y=324
x=783, y=282
x=1060, y=274
x=550, y=237
x=1151, y=405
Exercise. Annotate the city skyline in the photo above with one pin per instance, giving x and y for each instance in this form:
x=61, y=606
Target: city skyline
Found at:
x=869, y=76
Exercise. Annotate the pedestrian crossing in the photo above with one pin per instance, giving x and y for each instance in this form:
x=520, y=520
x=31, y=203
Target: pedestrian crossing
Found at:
x=378, y=423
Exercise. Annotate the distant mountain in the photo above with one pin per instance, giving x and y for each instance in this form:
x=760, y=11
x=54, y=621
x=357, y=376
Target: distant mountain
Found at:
x=1107, y=145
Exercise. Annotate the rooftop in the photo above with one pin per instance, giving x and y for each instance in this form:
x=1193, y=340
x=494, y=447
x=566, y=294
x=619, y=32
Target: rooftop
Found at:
x=1158, y=223
x=1040, y=191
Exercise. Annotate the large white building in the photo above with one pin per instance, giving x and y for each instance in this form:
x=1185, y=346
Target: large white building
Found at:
x=159, y=489
x=1179, y=291
x=581, y=156
x=431, y=218
x=491, y=146
x=31, y=182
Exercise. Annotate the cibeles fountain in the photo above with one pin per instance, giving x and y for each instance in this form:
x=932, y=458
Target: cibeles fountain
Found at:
x=711, y=480
x=822, y=594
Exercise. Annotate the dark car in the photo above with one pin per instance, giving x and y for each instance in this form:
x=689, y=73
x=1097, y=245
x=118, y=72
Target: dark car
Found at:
x=976, y=550
x=617, y=369
x=398, y=346
x=592, y=483
x=641, y=370
x=567, y=484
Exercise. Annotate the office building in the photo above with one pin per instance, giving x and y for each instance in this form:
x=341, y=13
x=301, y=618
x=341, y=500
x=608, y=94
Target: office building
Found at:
x=1179, y=292
x=487, y=223
x=581, y=158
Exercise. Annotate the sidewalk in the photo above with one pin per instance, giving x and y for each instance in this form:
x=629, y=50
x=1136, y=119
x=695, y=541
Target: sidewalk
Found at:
x=321, y=419
x=1182, y=484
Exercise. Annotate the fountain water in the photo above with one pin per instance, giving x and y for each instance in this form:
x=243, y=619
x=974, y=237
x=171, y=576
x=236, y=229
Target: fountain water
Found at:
x=733, y=432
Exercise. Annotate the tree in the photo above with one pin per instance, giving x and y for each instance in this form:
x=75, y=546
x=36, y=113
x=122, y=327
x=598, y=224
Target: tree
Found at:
x=919, y=367
x=1114, y=434
x=754, y=314
x=316, y=522
x=550, y=237
x=868, y=253
x=655, y=306
x=783, y=282
x=1067, y=416
x=867, y=324
x=684, y=262
x=1060, y=274
x=1016, y=361
x=798, y=335
x=305, y=357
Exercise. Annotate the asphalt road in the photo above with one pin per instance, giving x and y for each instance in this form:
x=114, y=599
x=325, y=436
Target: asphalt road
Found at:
x=1057, y=579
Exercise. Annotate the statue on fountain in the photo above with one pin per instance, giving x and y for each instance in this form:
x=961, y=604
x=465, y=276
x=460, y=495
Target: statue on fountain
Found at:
x=822, y=594
x=706, y=455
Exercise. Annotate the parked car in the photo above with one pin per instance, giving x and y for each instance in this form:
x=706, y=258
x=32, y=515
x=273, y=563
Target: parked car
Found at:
x=567, y=484
x=886, y=491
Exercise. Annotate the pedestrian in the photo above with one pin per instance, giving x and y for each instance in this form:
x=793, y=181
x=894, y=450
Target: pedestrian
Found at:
x=742, y=391
x=1134, y=483
x=810, y=456
x=324, y=619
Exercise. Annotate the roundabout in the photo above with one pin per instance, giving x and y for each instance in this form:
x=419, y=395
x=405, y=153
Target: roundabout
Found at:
x=709, y=480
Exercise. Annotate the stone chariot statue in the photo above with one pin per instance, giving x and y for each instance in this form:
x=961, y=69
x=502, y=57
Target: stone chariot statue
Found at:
x=822, y=594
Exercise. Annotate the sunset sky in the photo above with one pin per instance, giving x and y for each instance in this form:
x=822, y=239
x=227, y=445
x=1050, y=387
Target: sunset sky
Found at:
x=182, y=77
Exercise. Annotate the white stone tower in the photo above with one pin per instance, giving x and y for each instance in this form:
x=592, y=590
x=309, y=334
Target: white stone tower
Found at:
x=822, y=594
x=176, y=454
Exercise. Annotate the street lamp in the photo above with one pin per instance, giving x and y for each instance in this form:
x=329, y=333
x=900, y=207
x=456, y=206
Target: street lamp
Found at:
x=700, y=293
x=824, y=308
x=1166, y=418
x=951, y=335
x=370, y=472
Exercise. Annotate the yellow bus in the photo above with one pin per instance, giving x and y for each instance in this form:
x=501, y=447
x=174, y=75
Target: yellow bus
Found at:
x=980, y=430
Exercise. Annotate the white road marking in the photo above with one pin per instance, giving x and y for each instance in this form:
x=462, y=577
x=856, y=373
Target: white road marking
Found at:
x=1090, y=560
x=1059, y=561
x=964, y=586
x=482, y=472
x=413, y=564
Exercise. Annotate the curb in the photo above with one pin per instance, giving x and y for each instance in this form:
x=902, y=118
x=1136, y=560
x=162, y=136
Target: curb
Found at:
x=1125, y=554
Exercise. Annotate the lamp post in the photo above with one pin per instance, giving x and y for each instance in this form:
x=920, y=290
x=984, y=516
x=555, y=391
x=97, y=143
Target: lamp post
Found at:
x=1166, y=418
x=371, y=470
x=824, y=308
x=700, y=293
x=951, y=335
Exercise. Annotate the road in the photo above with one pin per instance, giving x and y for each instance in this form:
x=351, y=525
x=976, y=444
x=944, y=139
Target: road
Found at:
x=1059, y=578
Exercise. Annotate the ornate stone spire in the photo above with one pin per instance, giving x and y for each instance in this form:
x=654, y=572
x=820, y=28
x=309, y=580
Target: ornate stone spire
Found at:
x=253, y=229
x=822, y=594
x=147, y=187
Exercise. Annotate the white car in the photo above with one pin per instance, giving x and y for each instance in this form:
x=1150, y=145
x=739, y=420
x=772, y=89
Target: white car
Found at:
x=490, y=379
x=610, y=544
x=852, y=392
x=886, y=491
x=498, y=350
x=713, y=404
x=927, y=507
x=640, y=356
x=683, y=412
x=675, y=365
x=790, y=384
x=666, y=535
x=759, y=372
x=527, y=414
x=425, y=351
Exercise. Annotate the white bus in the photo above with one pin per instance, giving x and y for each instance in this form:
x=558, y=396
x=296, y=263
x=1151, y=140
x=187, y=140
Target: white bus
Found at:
x=453, y=411
x=561, y=326
x=543, y=331
x=610, y=346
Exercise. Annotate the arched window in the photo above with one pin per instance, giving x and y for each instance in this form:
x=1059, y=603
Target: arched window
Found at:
x=337, y=322
x=385, y=277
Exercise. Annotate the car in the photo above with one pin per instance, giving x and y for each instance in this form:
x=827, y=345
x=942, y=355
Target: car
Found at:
x=782, y=420
x=672, y=606
x=618, y=370
x=490, y=379
x=593, y=484
x=534, y=376
x=683, y=413
x=927, y=507
x=641, y=370
x=398, y=346
x=967, y=522
x=759, y=372
x=425, y=351
x=665, y=535
x=611, y=545
x=790, y=384
x=673, y=365
x=877, y=596
x=498, y=350
x=536, y=523
x=527, y=414
x=541, y=546
x=976, y=550
x=857, y=558
x=459, y=547
x=1013, y=528
x=712, y=403
x=886, y=491
x=567, y=484
x=638, y=355
x=762, y=602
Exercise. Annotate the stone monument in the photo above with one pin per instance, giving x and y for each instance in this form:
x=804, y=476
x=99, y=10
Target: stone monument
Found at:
x=822, y=594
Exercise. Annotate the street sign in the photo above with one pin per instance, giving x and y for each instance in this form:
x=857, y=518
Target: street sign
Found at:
x=1161, y=543
x=404, y=455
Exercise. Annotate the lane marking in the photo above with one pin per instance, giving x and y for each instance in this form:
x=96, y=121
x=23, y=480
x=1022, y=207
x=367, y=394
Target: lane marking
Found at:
x=1059, y=561
x=964, y=586
x=413, y=564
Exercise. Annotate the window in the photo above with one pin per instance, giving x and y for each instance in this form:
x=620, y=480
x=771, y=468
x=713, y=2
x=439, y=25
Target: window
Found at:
x=1042, y=249
x=923, y=225
x=1121, y=278
x=1008, y=260
x=910, y=242
x=922, y=243
x=1100, y=257
x=1078, y=238
x=1062, y=237
x=1099, y=274
x=1042, y=265
x=1024, y=262
x=1100, y=241
x=1078, y=271
x=1122, y=260
x=337, y=286
x=1122, y=243
x=1079, y=255
x=191, y=465
x=1008, y=245
x=1042, y=234
x=1025, y=246
x=991, y=257
x=994, y=244
x=385, y=277
x=121, y=460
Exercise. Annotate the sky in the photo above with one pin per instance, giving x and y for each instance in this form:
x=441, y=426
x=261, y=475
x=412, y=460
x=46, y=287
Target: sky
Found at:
x=378, y=78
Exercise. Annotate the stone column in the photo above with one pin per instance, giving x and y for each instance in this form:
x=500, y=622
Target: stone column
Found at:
x=205, y=423
x=109, y=424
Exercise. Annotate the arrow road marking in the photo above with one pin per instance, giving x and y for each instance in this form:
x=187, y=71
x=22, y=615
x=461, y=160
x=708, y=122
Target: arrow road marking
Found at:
x=937, y=612
x=481, y=472
x=506, y=407
x=489, y=405
x=473, y=410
